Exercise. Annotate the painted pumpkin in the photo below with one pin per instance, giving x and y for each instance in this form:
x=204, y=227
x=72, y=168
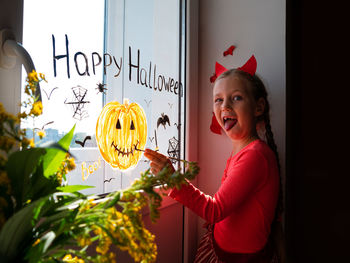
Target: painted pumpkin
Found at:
x=121, y=131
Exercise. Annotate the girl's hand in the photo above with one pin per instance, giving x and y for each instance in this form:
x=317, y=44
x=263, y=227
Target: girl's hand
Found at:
x=158, y=161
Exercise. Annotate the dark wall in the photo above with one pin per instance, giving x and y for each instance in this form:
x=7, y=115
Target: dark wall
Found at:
x=318, y=157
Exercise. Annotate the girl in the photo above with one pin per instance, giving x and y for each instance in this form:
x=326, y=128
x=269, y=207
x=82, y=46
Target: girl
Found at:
x=241, y=213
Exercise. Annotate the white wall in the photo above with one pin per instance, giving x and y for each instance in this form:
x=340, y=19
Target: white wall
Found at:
x=254, y=27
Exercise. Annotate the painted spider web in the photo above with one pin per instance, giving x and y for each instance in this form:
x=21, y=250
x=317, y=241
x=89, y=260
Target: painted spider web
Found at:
x=78, y=103
x=174, y=149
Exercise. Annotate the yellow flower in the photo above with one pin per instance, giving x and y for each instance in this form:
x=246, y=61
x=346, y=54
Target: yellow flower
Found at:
x=36, y=242
x=27, y=142
x=59, y=177
x=31, y=143
x=71, y=164
x=41, y=134
x=33, y=76
x=111, y=257
x=37, y=108
x=4, y=180
x=3, y=159
x=97, y=230
x=6, y=143
x=42, y=76
x=22, y=115
x=84, y=241
x=108, y=258
x=103, y=246
x=69, y=258
x=27, y=90
x=92, y=202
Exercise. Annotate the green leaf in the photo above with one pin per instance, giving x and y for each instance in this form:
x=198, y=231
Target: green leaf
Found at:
x=17, y=233
x=73, y=188
x=66, y=139
x=114, y=201
x=40, y=185
x=55, y=155
x=20, y=167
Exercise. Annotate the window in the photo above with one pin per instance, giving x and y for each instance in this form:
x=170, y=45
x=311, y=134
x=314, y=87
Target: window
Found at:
x=130, y=49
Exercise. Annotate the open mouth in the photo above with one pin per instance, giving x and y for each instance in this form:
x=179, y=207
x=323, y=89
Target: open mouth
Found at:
x=126, y=152
x=229, y=122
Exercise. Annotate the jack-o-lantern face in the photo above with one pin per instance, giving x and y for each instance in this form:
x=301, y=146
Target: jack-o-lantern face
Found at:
x=121, y=131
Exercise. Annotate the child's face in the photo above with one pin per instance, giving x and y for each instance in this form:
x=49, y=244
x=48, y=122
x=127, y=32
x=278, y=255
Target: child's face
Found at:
x=235, y=108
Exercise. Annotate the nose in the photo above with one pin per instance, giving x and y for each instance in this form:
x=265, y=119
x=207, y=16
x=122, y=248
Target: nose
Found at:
x=226, y=105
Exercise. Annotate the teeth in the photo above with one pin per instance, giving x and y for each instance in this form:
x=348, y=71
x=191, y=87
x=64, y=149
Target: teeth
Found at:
x=228, y=118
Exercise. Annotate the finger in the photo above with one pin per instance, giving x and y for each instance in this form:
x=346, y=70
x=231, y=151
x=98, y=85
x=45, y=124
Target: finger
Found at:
x=152, y=153
x=149, y=154
x=156, y=166
x=154, y=156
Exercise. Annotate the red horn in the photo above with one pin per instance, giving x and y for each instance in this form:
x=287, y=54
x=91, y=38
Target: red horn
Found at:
x=215, y=126
x=219, y=69
x=249, y=66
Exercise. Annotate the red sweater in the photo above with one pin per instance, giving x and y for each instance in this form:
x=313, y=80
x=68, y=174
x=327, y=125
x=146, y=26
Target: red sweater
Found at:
x=244, y=206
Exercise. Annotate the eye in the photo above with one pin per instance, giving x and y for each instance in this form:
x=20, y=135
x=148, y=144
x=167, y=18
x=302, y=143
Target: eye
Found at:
x=132, y=127
x=237, y=97
x=118, y=125
x=217, y=100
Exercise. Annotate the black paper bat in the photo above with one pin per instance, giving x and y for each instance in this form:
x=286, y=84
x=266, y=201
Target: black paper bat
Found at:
x=50, y=122
x=108, y=180
x=49, y=96
x=229, y=51
x=177, y=125
x=148, y=102
x=164, y=119
x=82, y=144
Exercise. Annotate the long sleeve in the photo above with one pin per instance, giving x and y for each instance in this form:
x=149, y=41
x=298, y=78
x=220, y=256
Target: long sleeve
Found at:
x=244, y=176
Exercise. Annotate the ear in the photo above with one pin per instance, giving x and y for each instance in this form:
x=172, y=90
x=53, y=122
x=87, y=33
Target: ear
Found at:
x=260, y=107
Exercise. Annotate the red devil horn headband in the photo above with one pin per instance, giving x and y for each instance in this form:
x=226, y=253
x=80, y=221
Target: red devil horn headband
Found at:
x=249, y=67
x=219, y=69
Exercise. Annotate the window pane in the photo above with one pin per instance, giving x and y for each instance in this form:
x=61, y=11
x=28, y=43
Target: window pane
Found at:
x=64, y=39
x=144, y=36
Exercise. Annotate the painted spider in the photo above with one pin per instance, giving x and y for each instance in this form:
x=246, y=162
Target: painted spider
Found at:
x=101, y=88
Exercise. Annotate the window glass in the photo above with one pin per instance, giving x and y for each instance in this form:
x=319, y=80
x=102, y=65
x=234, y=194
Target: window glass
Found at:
x=63, y=38
x=94, y=52
x=146, y=36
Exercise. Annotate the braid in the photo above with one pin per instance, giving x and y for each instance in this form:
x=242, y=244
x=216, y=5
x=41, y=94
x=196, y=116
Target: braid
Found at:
x=273, y=146
x=261, y=92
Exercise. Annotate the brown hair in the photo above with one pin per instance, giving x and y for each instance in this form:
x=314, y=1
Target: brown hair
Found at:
x=259, y=91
